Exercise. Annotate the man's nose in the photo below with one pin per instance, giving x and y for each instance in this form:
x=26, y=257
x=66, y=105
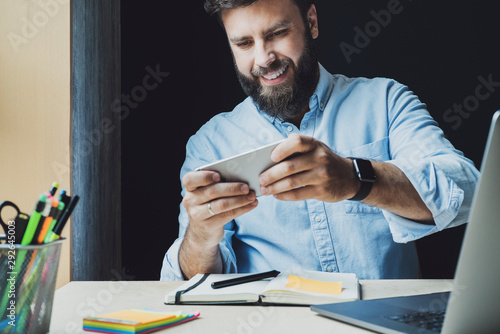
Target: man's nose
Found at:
x=264, y=56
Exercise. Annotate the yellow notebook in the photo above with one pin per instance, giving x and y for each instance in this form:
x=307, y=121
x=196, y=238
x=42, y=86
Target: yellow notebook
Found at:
x=298, y=287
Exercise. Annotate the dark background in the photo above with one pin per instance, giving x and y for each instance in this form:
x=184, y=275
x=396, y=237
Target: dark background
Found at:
x=438, y=50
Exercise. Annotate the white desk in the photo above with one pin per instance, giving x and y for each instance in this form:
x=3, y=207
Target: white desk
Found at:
x=76, y=300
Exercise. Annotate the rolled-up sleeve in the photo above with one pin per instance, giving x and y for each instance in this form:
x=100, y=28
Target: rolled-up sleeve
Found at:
x=171, y=270
x=442, y=176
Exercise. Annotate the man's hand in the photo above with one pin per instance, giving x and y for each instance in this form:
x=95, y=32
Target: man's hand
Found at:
x=317, y=172
x=321, y=174
x=199, y=251
x=227, y=200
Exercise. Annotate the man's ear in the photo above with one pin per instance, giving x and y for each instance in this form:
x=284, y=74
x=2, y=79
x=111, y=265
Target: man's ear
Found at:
x=312, y=18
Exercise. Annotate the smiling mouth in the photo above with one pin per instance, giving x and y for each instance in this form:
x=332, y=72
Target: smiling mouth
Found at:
x=276, y=74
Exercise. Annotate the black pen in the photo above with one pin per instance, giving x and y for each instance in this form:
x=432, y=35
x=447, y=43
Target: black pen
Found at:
x=63, y=197
x=56, y=232
x=21, y=222
x=244, y=279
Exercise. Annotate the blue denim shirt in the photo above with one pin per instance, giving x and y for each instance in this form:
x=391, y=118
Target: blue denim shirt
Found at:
x=376, y=119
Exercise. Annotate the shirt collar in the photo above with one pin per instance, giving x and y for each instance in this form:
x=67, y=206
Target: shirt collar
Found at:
x=319, y=98
x=323, y=89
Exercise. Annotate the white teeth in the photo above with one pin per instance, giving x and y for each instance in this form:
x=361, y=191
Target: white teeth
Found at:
x=277, y=74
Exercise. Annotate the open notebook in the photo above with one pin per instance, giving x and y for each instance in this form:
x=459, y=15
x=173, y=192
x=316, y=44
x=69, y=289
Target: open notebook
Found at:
x=298, y=287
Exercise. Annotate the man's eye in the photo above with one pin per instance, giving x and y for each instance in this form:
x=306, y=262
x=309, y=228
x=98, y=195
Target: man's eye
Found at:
x=244, y=44
x=279, y=32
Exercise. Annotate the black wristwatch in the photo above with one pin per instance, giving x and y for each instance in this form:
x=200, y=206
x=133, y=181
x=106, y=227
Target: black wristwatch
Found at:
x=366, y=175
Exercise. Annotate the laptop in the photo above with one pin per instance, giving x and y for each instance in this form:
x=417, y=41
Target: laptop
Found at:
x=473, y=304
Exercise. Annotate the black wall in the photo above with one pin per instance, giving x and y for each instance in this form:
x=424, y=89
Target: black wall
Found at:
x=439, y=50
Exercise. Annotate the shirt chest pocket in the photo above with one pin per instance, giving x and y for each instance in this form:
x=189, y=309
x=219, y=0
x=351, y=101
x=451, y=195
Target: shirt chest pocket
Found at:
x=375, y=151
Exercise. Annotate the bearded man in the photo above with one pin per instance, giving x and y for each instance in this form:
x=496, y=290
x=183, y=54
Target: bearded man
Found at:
x=369, y=169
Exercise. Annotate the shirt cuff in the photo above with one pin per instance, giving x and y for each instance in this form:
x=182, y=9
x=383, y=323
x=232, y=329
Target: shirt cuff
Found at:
x=442, y=196
x=171, y=270
x=227, y=254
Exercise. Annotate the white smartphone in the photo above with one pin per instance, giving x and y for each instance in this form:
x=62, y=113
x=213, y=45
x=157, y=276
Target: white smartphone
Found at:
x=245, y=167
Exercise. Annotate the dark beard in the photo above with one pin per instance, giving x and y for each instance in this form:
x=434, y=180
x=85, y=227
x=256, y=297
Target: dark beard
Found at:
x=285, y=101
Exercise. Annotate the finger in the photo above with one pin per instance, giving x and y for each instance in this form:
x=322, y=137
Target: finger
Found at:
x=286, y=168
x=298, y=194
x=293, y=144
x=220, y=207
x=227, y=216
x=219, y=190
x=196, y=179
x=289, y=183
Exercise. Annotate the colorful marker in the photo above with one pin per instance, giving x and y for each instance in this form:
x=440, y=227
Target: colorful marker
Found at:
x=54, y=211
x=34, y=220
x=56, y=234
x=43, y=218
x=60, y=211
x=53, y=190
x=64, y=198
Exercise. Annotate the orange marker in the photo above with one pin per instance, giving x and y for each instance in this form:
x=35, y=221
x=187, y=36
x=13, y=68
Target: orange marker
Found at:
x=48, y=220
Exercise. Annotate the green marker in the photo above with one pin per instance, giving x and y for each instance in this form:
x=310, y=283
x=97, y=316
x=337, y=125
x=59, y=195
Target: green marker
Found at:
x=60, y=210
x=34, y=220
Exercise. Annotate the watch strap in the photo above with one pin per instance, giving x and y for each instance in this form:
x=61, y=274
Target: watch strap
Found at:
x=363, y=191
x=366, y=183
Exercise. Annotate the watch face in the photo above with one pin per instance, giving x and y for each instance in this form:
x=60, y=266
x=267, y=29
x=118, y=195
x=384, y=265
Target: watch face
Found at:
x=364, y=170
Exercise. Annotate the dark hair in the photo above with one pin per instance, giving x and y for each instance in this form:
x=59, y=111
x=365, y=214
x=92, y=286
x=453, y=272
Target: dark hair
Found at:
x=217, y=6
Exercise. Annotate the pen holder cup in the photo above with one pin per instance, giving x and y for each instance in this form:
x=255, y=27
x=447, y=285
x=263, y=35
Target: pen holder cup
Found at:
x=29, y=275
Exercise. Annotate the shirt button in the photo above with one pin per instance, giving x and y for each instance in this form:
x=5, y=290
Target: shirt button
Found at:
x=322, y=105
x=317, y=218
x=329, y=269
x=290, y=128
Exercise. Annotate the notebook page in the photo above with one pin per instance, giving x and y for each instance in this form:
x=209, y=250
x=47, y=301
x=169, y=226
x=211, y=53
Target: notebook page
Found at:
x=205, y=292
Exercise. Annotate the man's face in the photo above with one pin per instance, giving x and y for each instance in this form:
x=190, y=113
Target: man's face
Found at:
x=273, y=54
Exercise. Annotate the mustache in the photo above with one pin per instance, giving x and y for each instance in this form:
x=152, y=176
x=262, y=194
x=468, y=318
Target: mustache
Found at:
x=275, y=65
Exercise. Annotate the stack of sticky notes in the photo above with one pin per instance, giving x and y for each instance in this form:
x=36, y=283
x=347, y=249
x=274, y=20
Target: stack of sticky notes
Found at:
x=315, y=286
x=135, y=321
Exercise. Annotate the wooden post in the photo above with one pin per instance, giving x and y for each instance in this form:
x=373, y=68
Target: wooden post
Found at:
x=96, y=156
